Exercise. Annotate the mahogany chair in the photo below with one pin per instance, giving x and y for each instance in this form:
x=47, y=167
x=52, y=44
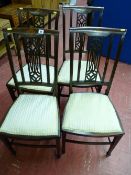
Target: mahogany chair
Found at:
x=33, y=117
x=92, y=114
x=75, y=16
x=39, y=18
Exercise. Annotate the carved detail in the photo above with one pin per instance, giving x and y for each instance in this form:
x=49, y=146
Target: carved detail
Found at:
x=33, y=53
x=95, y=45
x=79, y=40
x=39, y=21
x=81, y=21
x=91, y=71
x=23, y=16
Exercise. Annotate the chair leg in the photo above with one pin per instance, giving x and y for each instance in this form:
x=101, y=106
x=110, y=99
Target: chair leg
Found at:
x=98, y=89
x=113, y=144
x=63, y=142
x=58, y=152
x=11, y=92
x=59, y=94
x=8, y=145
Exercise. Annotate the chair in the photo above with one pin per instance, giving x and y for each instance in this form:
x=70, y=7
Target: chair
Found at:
x=33, y=117
x=75, y=16
x=36, y=17
x=92, y=114
x=39, y=18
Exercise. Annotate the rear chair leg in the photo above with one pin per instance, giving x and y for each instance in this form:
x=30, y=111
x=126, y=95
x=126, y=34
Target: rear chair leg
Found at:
x=8, y=145
x=63, y=142
x=59, y=94
x=58, y=153
x=11, y=92
x=98, y=89
x=113, y=144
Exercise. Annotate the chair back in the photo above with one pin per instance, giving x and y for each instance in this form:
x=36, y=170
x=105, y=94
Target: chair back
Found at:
x=41, y=18
x=94, y=52
x=34, y=60
x=79, y=16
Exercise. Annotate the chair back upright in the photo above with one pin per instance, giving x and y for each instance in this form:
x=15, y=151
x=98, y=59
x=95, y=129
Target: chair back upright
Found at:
x=36, y=17
x=79, y=16
x=37, y=66
x=96, y=48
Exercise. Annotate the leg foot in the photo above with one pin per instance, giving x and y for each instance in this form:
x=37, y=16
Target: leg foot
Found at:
x=113, y=144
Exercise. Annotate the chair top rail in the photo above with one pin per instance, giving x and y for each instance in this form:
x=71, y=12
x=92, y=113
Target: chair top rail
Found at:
x=42, y=13
x=30, y=31
x=91, y=8
x=98, y=31
x=38, y=9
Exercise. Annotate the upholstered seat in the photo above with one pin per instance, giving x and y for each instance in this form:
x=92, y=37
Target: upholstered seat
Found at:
x=64, y=74
x=90, y=113
x=27, y=78
x=32, y=115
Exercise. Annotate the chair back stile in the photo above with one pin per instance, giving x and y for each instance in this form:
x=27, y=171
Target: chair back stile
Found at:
x=10, y=58
x=93, y=41
x=116, y=60
x=34, y=64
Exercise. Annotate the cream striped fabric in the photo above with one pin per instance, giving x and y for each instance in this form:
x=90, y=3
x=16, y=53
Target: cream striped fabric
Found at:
x=32, y=115
x=64, y=75
x=90, y=113
x=44, y=78
x=72, y=2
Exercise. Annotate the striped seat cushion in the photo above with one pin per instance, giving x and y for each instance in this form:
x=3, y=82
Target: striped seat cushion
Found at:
x=32, y=115
x=90, y=113
x=27, y=78
x=64, y=74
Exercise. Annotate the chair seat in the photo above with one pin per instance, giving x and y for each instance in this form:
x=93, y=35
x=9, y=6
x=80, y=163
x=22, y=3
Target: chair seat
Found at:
x=27, y=78
x=32, y=115
x=64, y=74
x=90, y=114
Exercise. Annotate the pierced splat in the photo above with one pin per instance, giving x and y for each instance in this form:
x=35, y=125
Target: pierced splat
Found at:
x=38, y=21
x=33, y=53
x=24, y=16
x=94, y=47
x=81, y=21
